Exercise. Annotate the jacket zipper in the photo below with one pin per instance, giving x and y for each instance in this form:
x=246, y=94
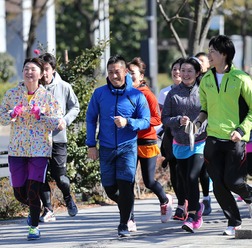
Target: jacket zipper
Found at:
x=116, y=142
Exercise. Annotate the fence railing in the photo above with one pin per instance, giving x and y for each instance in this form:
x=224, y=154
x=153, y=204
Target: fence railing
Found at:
x=4, y=170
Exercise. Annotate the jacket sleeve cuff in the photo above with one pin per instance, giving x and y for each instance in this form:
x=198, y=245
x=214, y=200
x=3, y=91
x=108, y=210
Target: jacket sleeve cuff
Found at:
x=240, y=131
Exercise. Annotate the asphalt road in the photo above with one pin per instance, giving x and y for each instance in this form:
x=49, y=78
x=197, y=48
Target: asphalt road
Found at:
x=96, y=227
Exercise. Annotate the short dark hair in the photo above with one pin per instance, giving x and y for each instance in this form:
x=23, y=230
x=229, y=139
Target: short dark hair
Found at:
x=115, y=59
x=178, y=61
x=194, y=62
x=224, y=45
x=49, y=58
x=201, y=54
x=37, y=61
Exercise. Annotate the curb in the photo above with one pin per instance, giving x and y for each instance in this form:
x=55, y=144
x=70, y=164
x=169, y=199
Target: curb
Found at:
x=243, y=234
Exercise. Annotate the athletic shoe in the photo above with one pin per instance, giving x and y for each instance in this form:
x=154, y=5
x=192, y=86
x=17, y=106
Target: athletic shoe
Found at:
x=239, y=199
x=250, y=210
x=188, y=224
x=28, y=220
x=201, y=210
x=180, y=214
x=198, y=220
x=71, y=206
x=166, y=210
x=123, y=230
x=230, y=230
x=132, y=226
x=207, y=204
x=33, y=233
x=47, y=216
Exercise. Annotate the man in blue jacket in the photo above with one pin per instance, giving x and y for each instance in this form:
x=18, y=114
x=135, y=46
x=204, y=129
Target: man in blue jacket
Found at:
x=121, y=111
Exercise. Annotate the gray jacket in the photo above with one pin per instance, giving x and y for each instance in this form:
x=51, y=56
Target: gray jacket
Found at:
x=180, y=101
x=69, y=104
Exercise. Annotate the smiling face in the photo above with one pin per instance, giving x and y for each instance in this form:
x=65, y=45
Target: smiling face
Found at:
x=188, y=74
x=136, y=75
x=216, y=59
x=117, y=73
x=31, y=74
x=175, y=73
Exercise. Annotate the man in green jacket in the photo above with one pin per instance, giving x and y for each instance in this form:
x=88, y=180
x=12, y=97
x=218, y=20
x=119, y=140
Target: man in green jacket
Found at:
x=226, y=99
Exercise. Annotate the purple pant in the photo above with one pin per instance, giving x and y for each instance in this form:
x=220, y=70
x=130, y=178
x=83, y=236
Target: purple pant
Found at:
x=23, y=168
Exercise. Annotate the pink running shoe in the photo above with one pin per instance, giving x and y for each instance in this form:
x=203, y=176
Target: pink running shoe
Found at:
x=166, y=210
x=198, y=220
x=239, y=199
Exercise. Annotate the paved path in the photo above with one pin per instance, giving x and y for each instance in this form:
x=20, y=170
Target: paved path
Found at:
x=97, y=228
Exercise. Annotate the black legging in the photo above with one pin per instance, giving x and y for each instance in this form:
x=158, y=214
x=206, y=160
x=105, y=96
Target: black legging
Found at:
x=189, y=170
x=29, y=195
x=122, y=193
x=57, y=167
x=227, y=168
x=175, y=177
x=204, y=180
x=249, y=163
x=148, y=168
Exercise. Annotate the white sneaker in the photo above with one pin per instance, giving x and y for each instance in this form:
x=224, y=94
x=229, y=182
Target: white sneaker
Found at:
x=47, y=216
x=230, y=230
x=166, y=210
x=250, y=210
x=132, y=226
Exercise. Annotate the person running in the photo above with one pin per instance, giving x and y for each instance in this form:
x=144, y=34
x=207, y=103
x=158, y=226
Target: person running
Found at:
x=69, y=103
x=32, y=113
x=148, y=149
x=121, y=112
x=205, y=180
x=181, y=108
x=166, y=148
x=226, y=100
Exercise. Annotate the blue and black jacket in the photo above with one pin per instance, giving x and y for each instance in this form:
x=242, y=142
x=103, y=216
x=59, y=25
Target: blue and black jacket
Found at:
x=107, y=102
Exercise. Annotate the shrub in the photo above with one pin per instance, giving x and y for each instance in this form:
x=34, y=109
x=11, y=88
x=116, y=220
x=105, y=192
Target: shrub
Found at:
x=7, y=68
x=3, y=88
x=81, y=73
x=9, y=206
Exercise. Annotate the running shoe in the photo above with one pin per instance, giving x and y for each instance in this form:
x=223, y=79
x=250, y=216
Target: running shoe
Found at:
x=166, y=210
x=123, y=230
x=207, y=204
x=33, y=233
x=179, y=214
x=230, y=230
x=188, y=224
x=198, y=220
x=71, y=206
x=239, y=199
x=47, y=216
x=132, y=226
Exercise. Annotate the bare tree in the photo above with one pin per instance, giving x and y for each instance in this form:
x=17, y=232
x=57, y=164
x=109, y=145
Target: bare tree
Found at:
x=38, y=11
x=203, y=13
